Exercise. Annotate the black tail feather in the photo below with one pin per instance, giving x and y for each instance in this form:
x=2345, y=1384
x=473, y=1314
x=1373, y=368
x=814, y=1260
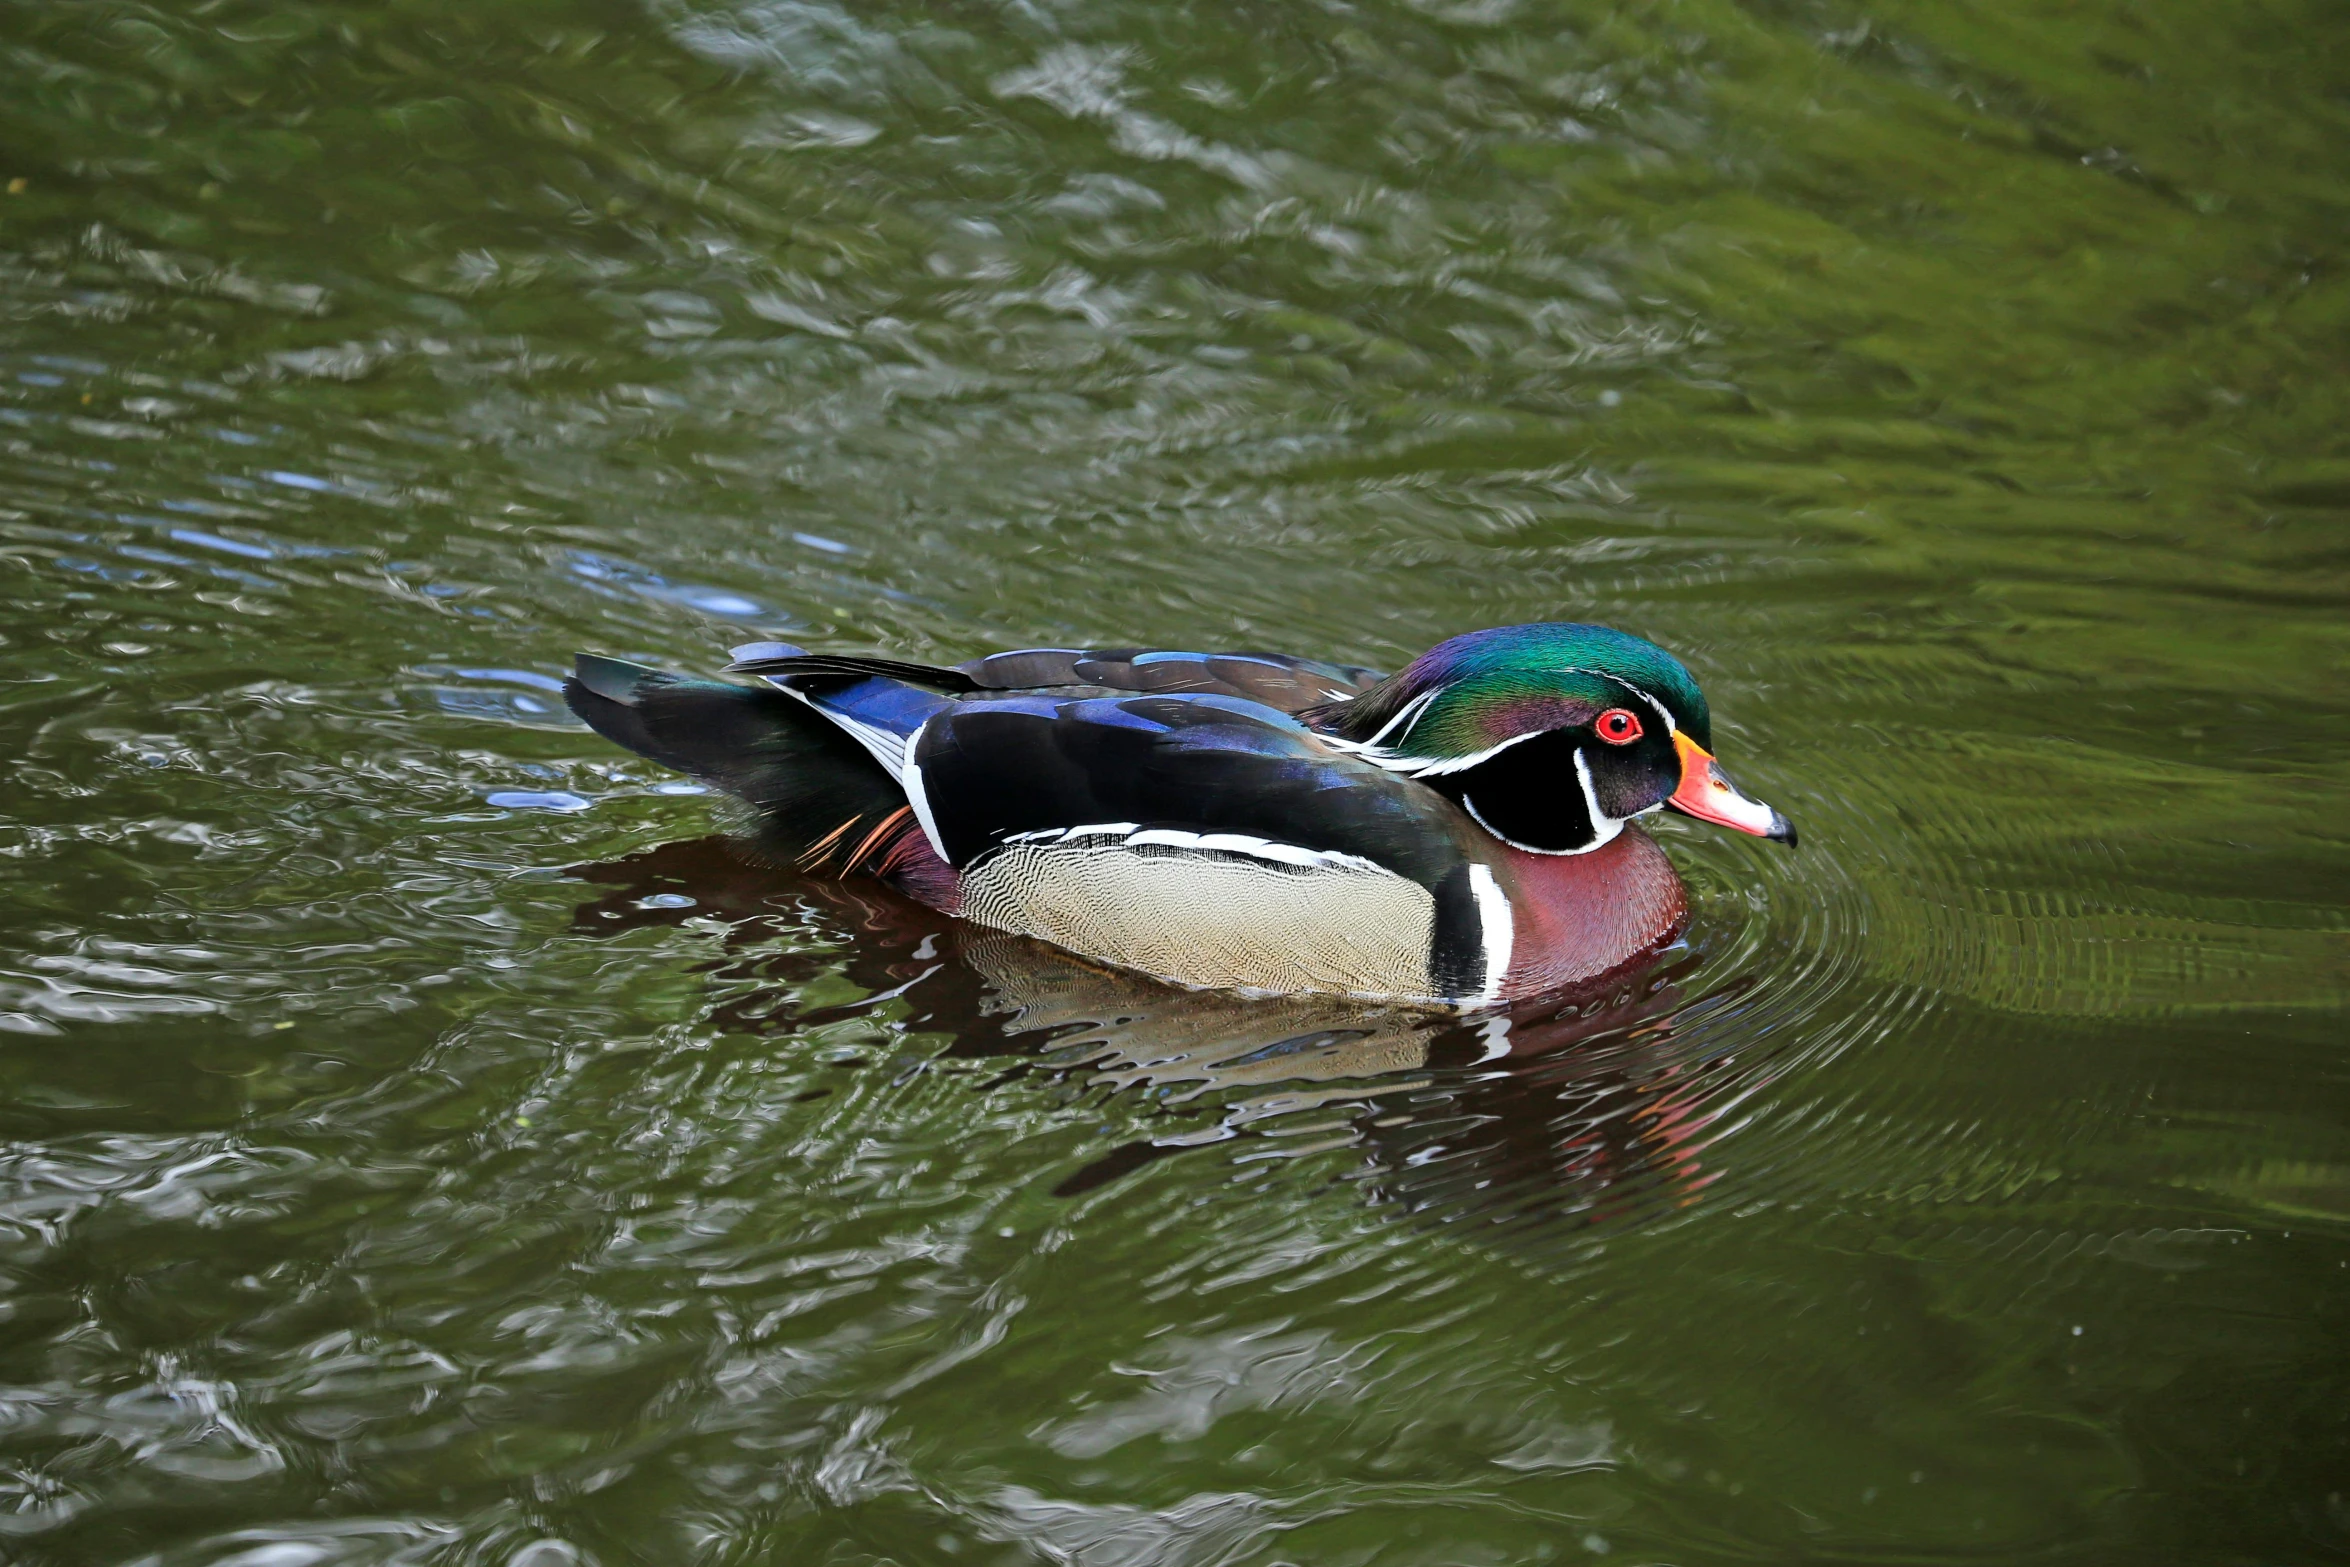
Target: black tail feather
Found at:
x=813, y=787
x=852, y=666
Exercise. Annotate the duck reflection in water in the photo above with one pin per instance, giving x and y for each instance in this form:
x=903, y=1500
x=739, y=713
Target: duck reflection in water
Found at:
x=1583, y=1107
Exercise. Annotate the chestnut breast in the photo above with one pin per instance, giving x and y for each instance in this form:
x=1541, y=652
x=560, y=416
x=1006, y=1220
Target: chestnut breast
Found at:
x=1578, y=916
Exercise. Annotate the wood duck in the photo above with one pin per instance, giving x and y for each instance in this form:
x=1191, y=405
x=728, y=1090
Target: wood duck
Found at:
x=1458, y=834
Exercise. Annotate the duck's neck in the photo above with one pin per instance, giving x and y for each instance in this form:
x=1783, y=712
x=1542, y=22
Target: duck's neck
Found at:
x=1578, y=916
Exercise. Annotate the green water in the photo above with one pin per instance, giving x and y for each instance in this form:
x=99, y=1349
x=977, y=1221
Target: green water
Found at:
x=421, y=1142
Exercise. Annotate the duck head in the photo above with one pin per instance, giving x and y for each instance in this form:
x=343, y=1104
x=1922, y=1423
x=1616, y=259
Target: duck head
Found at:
x=1551, y=736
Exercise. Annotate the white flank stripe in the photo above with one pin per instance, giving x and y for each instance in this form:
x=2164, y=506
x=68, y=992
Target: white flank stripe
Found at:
x=1243, y=843
x=1138, y=837
x=1499, y=929
x=1170, y=837
x=1263, y=849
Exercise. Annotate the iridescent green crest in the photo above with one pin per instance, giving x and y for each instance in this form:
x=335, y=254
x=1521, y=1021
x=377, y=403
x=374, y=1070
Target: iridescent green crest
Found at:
x=1474, y=692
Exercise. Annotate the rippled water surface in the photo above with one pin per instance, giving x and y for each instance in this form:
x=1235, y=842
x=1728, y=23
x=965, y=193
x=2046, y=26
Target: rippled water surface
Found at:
x=423, y=1141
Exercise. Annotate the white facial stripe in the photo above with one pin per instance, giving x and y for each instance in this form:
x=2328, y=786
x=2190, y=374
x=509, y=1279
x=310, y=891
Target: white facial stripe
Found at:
x=1374, y=750
x=1429, y=767
x=1662, y=711
x=1405, y=717
x=1604, y=827
x=1377, y=758
x=1608, y=828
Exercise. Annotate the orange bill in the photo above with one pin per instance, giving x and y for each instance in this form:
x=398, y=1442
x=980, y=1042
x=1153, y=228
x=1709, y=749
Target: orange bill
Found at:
x=1707, y=793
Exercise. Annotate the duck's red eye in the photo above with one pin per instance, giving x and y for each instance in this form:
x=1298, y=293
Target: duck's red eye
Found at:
x=1619, y=726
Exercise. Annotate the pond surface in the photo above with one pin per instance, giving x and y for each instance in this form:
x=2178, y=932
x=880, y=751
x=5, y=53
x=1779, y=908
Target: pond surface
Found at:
x=423, y=1141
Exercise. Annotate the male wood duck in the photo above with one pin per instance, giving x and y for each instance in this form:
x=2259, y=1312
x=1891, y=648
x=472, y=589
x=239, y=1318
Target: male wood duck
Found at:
x=1459, y=834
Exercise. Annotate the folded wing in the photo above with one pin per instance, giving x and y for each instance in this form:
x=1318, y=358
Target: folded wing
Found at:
x=1286, y=684
x=1191, y=836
